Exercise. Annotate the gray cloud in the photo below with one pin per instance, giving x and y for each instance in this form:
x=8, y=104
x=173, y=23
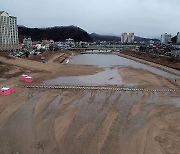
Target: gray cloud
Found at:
x=144, y=17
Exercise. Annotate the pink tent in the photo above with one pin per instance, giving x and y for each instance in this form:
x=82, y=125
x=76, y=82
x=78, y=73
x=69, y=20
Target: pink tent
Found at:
x=22, y=78
x=5, y=91
x=11, y=89
x=28, y=79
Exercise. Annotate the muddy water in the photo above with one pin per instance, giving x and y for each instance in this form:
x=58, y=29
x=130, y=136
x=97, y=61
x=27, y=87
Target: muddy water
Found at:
x=109, y=76
x=80, y=122
x=114, y=60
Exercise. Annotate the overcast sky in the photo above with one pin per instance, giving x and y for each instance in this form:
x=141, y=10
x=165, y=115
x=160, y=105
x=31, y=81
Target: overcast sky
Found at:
x=148, y=18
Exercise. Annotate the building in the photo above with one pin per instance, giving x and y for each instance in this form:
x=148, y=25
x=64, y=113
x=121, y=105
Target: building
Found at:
x=175, y=52
x=70, y=42
x=165, y=38
x=127, y=38
x=27, y=42
x=124, y=38
x=46, y=43
x=8, y=32
x=151, y=42
x=178, y=38
x=131, y=38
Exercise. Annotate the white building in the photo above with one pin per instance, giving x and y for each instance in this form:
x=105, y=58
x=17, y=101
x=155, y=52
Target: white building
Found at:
x=176, y=51
x=165, y=38
x=70, y=42
x=8, y=32
x=127, y=38
x=27, y=42
x=131, y=38
x=124, y=38
x=178, y=38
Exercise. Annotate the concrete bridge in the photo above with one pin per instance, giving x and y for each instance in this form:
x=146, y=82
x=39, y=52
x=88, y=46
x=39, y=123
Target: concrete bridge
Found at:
x=96, y=52
x=104, y=47
x=94, y=49
x=103, y=88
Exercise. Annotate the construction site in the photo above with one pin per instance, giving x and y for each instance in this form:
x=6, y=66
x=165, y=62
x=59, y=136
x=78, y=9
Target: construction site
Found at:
x=88, y=103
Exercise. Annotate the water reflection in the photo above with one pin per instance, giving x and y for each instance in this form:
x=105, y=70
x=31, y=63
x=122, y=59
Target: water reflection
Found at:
x=114, y=60
x=108, y=77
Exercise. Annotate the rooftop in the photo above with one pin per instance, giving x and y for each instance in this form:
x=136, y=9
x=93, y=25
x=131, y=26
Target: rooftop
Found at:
x=7, y=13
x=1, y=12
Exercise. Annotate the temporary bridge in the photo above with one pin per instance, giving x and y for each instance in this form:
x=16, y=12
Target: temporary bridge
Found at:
x=107, y=88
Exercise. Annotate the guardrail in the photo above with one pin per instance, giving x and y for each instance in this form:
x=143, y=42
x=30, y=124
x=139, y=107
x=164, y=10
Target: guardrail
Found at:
x=108, y=88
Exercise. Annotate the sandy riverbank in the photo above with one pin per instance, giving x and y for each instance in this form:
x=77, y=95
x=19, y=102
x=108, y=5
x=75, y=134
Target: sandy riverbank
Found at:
x=75, y=121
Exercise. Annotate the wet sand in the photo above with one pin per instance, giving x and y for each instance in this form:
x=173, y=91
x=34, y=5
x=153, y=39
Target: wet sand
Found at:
x=92, y=122
x=56, y=121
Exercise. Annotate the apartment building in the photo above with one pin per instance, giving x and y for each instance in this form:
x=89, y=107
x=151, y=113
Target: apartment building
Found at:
x=8, y=32
x=131, y=38
x=127, y=38
x=165, y=38
x=27, y=42
x=178, y=38
x=124, y=38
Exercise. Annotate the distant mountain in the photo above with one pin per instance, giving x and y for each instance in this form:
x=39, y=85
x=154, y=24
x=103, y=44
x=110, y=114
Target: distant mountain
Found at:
x=142, y=39
x=97, y=37
x=64, y=32
x=54, y=33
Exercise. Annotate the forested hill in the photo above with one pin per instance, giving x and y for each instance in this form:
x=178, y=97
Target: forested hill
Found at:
x=97, y=37
x=54, y=33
